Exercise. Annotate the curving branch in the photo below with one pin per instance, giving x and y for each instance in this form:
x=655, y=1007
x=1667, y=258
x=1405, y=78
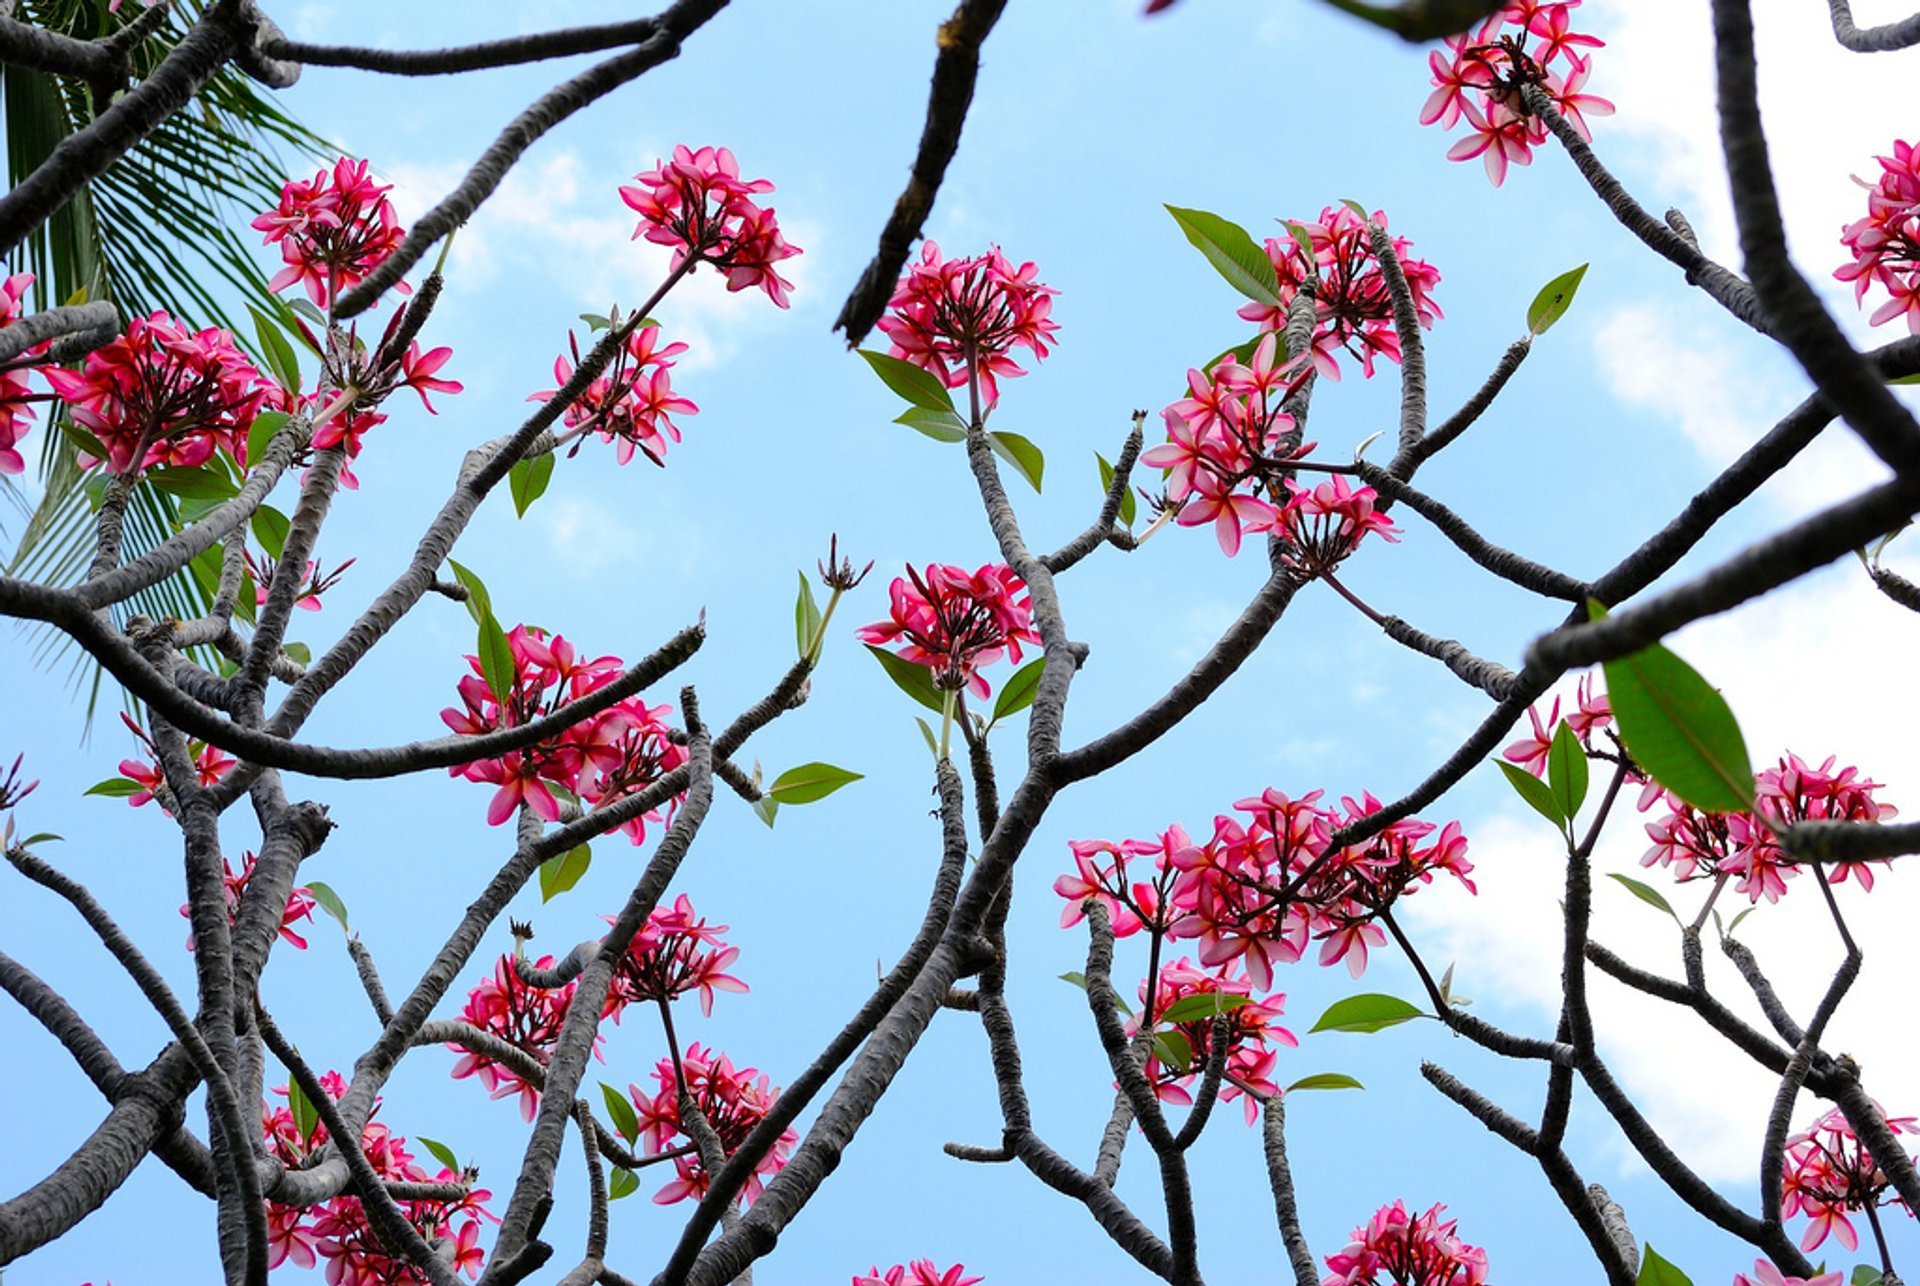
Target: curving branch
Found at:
x=1903, y=34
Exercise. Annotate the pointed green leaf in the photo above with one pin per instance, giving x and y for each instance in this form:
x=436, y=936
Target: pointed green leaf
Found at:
x=329, y=901
x=260, y=434
x=1326, y=1081
x=197, y=484
x=1655, y=1271
x=441, y=1152
x=1866, y=1275
x=1022, y=454
x=810, y=782
x=41, y=837
x=558, y=874
x=941, y=426
x=1017, y=693
x=1679, y=729
x=306, y=1117
x=1538, y=795
x=1194, y=1008
x=1367, y=1012
x=926, y=730
x=1645, y=892
x=277, y=351
x=622, y=1183
x=620, y=1112
x=528, y=481
x=270, y=529
x=1232, y=252
x=1127, y=506
x=914, y=680
x=765, y=808
x=806, y=616
x=1567, y=771
x=115, y=788
x=479, y=603
x=1551, y=304
x=1301, y=237
x=1174, y=1049
x=920, y=387
x=496, y=660
x=1735, y=922
x=596, y=321
x=1075, y=977
x=1356, y=207
x=299, y=652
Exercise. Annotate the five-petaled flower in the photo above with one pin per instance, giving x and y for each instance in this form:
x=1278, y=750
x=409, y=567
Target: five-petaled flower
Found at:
x=1886, y=243
x=961, y=318
x=698, y=204
x=954, y=622
x=332, y=230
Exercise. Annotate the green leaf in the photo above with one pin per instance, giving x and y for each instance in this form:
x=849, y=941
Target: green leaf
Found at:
x=1301, y=237
x=1567, y=771
x=306, y=1117
x=765, y=808
x=1655, y=1271
x=809, y=782
x=1901, y=379
x=1537, y=793
x=1174, y=1049
x=558, y=874
x=1127, y=506
x=806, y=616
x=914, y=680
x=479, y=603
x=1645, y=892
x=1551, y=304
x=115, y=788
x=1017, y=693
x=270, y=529
x=596, y=321
x=261, y=432
x=329, y=901
x=1679, y=729
x=1022, y=454
x=622, y=1183
x=1866, y=1275
x=441, y=1152
x=197, y=484
x=41, y=837
x=620, y=1112
x=1735, y=922
x=1232, y=252
x=941, y=426
x=926, y=730
x=496, y=660
x=277, y=351
x=1367, y=1012
x=1356, y=207
x=920, y=387
x=1193, y=1008
x=1326, y=1081
x=528, y=481
x=299, y=652
x=1075, y=977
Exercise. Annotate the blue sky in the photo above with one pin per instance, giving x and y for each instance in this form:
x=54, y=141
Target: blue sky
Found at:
x=1087, y=119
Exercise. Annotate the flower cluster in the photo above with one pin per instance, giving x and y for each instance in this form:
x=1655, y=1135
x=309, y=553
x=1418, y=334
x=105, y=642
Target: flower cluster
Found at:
x=300, y=902
x=11, y=791
x=1886, y=243
x=954, y=622
x=1828, y=1174
x=1696, y=844
x=732, y=1101
x=1184, y=1006
x=1320, y=525
x=163, y=394
x=920, y=1272
x=332, y=230
x=1333, y=259
x=674, y=953
x=15, y=395
x=600, y=759
x=339, y=1231
x=526, y=1017
x=961, y=318
x=1591, y=714
x=698, y=204
x=631, y=402
x=1483, y=75
x=142, y=779
x=1765, y=1274
x=1396, y=1248
x=312, y=585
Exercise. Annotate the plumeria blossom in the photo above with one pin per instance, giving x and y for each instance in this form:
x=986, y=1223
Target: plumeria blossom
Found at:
x=1695, y=844
x=631, y=403
x=523, y=1015
x=921, y=1272
x=1480, y=77
x=1829, y=1175
x=162, y=394
x=962, y=318
x=733, y=1101
x=1592, y=713
x=674, y=953
x=300, y=902
x=1251, y=1030
x=1886, y=243
x=16, y=397
x=339, y=1231
x=1333, y=260
x=955, y=622
x=1396, y=1248
x=1320, y=526
x=1765, y=1274
x=599, y=760
x=210, y=764
x=698, y=204
x=332, y=230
